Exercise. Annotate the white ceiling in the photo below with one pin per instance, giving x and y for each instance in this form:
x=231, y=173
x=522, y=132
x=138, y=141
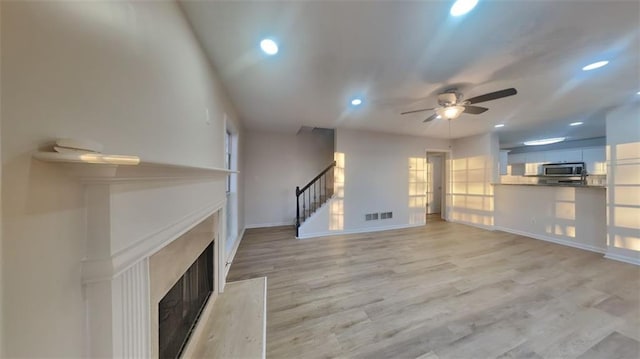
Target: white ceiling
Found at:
x=400, y=55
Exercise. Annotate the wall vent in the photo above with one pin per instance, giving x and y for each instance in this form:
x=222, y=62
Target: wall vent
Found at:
x=371, y=217
x=386, y=215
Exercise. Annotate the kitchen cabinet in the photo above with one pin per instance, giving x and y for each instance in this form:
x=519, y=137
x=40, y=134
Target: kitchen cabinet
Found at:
x=504, y=161
x=516, y=158
x=534, y=160
x=529, y=163
x=596, y=160
x=535, y=157
x=570, y=155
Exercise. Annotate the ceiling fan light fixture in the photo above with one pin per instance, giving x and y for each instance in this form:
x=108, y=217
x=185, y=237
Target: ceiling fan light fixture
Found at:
x=450, y=112
x=544, y=141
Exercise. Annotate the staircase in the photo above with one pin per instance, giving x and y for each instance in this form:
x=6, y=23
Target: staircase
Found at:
x=314, y=194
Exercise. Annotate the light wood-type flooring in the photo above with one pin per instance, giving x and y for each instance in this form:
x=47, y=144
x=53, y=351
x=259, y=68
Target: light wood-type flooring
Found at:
x=440, y=291
x=236, y=326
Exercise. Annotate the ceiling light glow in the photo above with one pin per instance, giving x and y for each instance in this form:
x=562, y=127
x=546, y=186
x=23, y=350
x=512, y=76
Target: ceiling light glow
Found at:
x=462, y=7
x=576, y=123
x=499, y=125
x=450, y=112
x=638, y=93
x=356, y=102
x=545, y=141
x=269, y=46
x=595, y=65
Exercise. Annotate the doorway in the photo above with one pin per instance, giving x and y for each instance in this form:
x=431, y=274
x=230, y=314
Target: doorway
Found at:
x=436, y=189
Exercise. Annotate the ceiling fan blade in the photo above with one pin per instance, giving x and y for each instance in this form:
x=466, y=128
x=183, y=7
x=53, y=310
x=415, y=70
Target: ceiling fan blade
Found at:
x=414, y=111
x=492, y=96
x=475, y=110
x=431, y=118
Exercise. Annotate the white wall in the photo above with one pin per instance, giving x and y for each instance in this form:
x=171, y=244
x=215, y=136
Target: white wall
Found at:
x=623, y=183
x=269, y=178
x=130, y=75
x=376, y=178
x=474, y=167
x=275, y=164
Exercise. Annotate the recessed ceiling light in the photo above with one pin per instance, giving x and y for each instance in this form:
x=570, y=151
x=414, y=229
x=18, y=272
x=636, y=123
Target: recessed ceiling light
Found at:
x=499, y=125
x=356, y=102
x=595, y=65
x=576, y=123
x=462, y=7
x=438, y=117
x=638, y=93
x=269, y=46
x=545, y=141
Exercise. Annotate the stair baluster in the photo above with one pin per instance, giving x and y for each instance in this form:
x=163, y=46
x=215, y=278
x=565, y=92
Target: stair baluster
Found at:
x=309, y=206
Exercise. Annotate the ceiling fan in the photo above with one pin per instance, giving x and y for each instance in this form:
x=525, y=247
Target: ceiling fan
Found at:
x=452, y=105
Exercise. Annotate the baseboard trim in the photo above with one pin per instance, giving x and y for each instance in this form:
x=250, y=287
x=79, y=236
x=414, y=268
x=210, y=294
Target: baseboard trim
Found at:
x=586, y=247
x=621, y=258
x=266, y=225
x=359, y=230
x=232, y=255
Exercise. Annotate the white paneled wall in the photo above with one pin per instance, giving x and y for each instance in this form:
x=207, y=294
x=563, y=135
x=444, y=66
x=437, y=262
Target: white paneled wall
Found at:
x=473, y=169
x=623, y=184
x=471, y=190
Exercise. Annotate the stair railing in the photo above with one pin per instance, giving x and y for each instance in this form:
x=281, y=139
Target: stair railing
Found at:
x=314, y=194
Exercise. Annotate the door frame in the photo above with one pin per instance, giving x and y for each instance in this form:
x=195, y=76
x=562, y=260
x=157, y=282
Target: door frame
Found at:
x=446, y=184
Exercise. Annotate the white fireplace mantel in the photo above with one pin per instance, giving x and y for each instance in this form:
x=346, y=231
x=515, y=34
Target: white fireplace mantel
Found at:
x=132, y=212
x=91, y=172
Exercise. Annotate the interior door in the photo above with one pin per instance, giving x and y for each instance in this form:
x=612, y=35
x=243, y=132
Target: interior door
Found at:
x=434, y=183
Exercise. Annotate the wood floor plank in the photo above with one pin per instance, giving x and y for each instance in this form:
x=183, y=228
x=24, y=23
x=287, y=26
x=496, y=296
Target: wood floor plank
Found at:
x=440, y=291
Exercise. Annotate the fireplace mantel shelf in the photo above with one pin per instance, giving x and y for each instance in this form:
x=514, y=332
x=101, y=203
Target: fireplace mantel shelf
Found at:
x=115, y=168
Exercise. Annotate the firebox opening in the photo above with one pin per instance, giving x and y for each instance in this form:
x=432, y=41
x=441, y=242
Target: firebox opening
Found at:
x=179, y=310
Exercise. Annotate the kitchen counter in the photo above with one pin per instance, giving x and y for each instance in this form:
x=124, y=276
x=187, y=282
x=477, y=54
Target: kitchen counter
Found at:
x=568, y=214
x=551, y=185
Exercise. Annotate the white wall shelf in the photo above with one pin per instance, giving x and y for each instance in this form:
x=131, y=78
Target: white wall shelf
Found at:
x=109, y=168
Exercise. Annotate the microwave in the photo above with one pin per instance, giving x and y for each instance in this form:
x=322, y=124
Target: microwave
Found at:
x=569, y=169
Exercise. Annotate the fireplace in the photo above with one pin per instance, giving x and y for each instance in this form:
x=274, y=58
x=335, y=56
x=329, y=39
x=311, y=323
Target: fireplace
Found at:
x=183, y=286
x=180, y=308
x=146, y=227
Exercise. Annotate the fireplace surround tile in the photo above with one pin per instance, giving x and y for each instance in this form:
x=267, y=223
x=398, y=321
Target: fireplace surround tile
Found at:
x=169, y=264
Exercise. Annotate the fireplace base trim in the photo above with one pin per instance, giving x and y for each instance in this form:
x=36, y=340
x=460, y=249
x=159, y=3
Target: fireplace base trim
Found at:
x=239, y=329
